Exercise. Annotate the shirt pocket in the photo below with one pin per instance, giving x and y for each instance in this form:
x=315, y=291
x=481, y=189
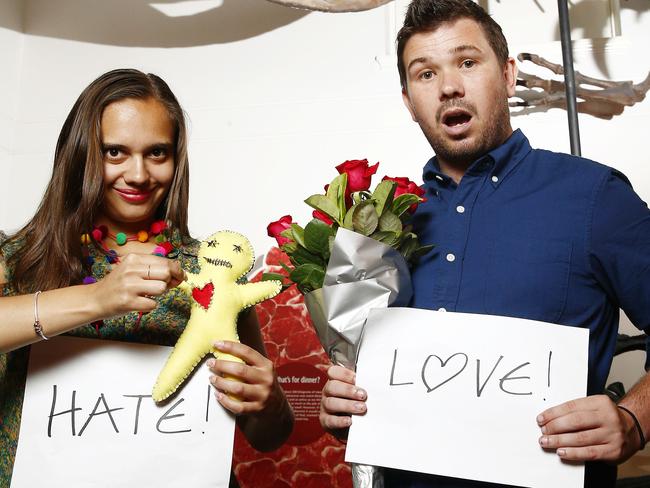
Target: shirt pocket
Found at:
x=528, y=279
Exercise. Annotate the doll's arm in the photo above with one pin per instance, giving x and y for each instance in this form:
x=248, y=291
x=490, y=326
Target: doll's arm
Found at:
x=252, y=293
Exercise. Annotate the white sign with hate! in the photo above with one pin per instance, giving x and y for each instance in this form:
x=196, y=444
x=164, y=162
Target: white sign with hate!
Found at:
x=88, y=420
x=458, y=394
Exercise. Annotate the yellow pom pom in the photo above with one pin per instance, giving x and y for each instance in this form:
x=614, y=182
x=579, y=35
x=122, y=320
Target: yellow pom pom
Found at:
x=143, y=236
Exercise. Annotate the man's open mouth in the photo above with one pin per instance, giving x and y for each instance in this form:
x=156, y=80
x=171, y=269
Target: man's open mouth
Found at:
x=456, y=117
x=218, y=262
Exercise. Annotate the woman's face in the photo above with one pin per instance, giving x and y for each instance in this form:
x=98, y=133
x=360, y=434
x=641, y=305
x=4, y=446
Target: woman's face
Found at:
x=138, y=151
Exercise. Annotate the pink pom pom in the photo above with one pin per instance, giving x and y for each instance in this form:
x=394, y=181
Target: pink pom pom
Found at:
x=160, y=251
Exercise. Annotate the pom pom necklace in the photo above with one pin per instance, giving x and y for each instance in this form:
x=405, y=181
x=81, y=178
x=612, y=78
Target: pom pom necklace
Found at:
x=158, y=230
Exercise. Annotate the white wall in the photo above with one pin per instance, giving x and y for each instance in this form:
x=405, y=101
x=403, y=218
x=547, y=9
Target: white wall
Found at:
x=11, y=42
x=277, y=97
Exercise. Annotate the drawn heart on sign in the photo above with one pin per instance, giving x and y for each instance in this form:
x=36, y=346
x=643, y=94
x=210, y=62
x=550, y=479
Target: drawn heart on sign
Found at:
x=454, y=369
x=203, y=296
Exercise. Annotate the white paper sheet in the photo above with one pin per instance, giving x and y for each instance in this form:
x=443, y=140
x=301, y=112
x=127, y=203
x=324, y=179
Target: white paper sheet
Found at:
x=117, y=436
x=458, y=394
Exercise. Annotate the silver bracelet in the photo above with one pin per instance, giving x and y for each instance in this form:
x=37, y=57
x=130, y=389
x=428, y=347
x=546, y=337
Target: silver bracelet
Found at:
x=38, y=328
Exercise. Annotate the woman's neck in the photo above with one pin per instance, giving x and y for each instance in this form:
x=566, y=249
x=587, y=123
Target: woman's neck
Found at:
x=128, y=228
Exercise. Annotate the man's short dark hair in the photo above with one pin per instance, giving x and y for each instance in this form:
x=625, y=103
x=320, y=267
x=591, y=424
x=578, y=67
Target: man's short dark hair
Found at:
x=428, y=15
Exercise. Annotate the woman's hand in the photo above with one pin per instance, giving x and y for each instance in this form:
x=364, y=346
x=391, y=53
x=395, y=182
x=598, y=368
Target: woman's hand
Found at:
x=340, y=400
x=132, y=283
x=256, y=391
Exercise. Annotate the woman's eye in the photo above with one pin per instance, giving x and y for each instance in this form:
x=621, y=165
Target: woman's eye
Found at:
x=158, y=153
x=112, y=152
x=468, y=63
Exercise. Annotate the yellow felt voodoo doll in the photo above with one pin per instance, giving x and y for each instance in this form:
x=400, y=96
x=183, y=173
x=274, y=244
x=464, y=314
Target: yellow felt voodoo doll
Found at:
x=217, y=298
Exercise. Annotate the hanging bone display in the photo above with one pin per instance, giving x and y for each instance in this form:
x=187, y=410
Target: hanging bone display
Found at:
x=601, y=98
x=333, y=5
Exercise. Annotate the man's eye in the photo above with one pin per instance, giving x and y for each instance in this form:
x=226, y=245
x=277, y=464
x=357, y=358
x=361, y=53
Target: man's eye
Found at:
x=468, y=63
x=427, y=75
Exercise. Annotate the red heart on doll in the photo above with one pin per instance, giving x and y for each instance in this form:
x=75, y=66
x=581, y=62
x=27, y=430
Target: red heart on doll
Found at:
x=203, y=296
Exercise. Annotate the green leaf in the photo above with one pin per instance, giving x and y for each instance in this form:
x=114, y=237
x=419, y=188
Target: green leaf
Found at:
x=390, y=222
x=336, y=194
x=360, y=196
x=286, y=268
x=289, y=247
x=387, y=237
x=383, y=195
x=347, y=222
x=303, y=256
x=325, y=205
x=407, y=247
x=402, y=203
x=308, y=277
x=365, y=218
x=273, y=277
x=298, y=234
x=421, y=251
x=316, y=236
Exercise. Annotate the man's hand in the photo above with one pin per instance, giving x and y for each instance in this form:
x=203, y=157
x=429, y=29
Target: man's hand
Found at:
x=341, y=399
x=589, y=429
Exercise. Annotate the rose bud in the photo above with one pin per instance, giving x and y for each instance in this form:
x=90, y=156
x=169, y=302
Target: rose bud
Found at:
x=275, y=229
x=359, y=175
x=404, y=185
x=317, y=214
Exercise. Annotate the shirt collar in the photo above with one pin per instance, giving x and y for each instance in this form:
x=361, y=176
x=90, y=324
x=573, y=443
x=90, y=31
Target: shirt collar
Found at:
x=500, y=161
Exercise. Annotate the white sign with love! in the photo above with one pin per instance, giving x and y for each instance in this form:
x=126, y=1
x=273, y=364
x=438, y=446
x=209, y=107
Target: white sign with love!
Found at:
x=88, y=420
x=458, y=395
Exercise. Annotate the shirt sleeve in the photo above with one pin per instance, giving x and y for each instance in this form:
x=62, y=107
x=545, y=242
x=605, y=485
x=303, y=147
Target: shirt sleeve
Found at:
x=3, y=265
x=620, y=249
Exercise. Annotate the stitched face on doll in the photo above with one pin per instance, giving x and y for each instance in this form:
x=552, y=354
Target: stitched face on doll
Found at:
x=228, y=251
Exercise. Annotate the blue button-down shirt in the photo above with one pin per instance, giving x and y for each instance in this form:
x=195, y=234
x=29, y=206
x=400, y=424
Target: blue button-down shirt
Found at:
x=538, y=235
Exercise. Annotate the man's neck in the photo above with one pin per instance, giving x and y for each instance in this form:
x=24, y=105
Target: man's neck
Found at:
x=455, y=171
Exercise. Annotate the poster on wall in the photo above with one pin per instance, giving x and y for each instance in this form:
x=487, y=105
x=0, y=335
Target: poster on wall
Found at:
x=310, y=457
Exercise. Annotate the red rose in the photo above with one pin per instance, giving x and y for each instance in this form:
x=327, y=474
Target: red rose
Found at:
x=274, y=229
x=317, y=214
x=404, y=185
x=359, y=175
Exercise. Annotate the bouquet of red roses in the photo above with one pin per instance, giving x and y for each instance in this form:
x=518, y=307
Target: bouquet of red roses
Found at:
x=381, y=214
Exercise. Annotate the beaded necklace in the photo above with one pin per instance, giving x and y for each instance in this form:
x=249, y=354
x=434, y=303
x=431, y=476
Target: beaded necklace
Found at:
x=158, y=230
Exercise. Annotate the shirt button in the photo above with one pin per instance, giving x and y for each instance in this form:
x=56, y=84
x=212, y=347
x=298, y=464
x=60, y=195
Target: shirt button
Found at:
x=442, y=309
x=460, y=209
x=495, y=179
x=451, y=258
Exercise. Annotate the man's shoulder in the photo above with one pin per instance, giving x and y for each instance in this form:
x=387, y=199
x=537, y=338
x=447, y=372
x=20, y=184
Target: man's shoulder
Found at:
x=570, y=165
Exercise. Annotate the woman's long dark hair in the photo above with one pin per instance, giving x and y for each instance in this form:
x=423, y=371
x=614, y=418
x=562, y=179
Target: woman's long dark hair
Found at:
x=49, y=256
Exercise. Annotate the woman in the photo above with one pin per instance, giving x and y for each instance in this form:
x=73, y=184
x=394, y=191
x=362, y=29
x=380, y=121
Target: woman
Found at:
x=83, y=264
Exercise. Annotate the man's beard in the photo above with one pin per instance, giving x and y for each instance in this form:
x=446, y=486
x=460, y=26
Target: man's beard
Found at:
x=495, y=131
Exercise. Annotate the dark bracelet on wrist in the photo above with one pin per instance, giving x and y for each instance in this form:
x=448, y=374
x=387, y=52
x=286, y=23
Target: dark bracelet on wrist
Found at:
x=639, y=430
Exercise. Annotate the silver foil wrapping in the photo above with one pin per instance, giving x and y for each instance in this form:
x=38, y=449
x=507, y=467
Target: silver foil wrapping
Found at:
x=362, y=274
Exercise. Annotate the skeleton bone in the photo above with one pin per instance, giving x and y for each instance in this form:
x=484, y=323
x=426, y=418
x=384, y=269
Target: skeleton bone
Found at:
x=606, y=102
x=333, y=5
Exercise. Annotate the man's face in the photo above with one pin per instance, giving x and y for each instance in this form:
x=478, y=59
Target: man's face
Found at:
x=457, y=91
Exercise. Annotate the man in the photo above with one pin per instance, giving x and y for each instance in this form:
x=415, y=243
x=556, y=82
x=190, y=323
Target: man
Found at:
x=519, y=232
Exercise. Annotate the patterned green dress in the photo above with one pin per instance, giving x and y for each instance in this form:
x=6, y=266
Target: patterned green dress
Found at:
x=161, y=326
